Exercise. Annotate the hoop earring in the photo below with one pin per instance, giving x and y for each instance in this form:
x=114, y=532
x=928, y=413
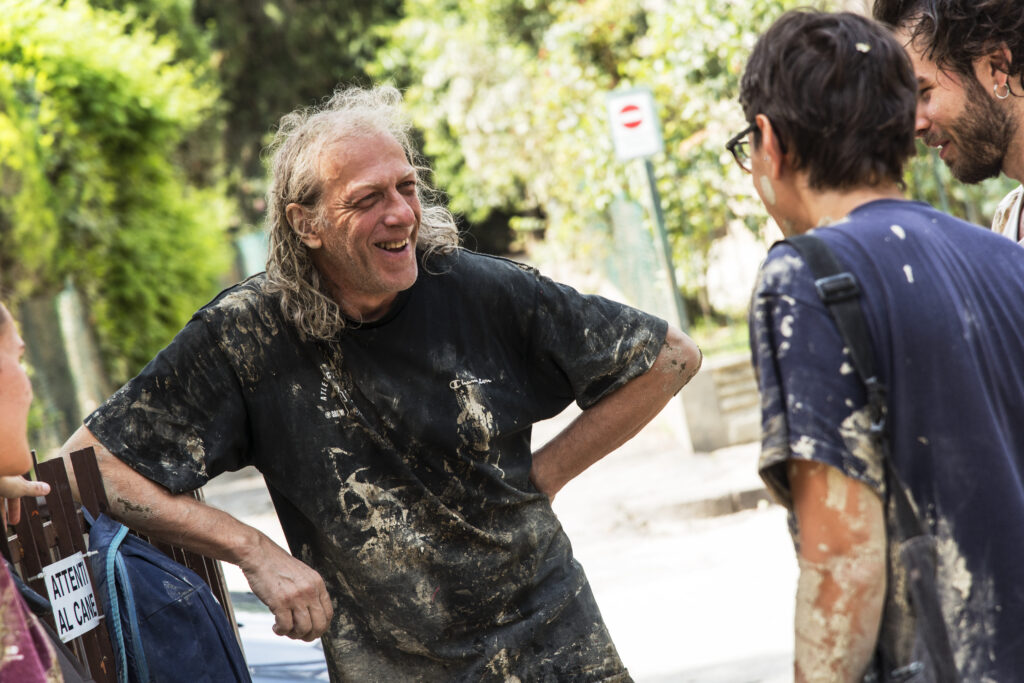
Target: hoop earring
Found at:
x=995, y=89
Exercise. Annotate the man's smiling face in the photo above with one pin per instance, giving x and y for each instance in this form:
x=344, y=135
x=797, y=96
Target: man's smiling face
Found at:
x=956, y=114
x=366, y=232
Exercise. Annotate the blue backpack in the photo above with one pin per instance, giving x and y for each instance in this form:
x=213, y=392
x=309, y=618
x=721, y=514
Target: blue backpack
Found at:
x=164, y=623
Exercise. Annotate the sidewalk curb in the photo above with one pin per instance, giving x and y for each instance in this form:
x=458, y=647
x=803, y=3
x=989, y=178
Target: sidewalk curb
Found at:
x=725, y=504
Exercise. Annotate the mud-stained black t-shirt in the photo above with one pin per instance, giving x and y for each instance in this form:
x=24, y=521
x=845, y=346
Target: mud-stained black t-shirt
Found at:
x=398, y=458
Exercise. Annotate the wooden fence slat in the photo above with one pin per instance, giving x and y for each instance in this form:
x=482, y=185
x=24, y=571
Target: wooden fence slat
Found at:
x=94, y=647
x=90, y=484
x=34, y=554
x=61, y=506
x=37, y=553
x=9, y=546
x=46, y=535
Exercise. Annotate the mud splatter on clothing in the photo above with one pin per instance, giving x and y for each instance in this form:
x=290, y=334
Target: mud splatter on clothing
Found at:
x=25, y=652
x=398, y=458
x=945, y=307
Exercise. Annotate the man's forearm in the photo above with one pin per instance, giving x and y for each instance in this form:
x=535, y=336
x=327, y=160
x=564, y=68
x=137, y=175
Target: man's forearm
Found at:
x=616, y=418
x=836, y=637
x=841, y=591
x=149, y=508
x=295, y=593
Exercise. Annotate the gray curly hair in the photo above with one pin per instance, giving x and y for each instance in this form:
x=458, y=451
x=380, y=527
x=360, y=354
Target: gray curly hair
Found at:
x=295, y=177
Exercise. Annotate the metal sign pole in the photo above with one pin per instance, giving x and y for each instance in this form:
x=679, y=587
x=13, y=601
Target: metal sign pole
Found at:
x=666, y=249
x=636, y=133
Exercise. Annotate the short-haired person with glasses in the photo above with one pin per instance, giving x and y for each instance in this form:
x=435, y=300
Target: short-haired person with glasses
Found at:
x=830, y=101
x=968, y=56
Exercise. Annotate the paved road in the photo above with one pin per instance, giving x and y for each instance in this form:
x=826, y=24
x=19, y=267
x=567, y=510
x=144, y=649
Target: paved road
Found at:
x=689, y=593
x=687, y=597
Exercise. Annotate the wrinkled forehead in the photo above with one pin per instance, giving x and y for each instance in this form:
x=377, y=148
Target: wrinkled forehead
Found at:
x=346, y=155
x=339, y=131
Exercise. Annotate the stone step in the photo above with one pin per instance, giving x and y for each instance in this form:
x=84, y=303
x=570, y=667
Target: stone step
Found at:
x=723, y=405
x=737, y=372
x=736, y=388
x=739, y=402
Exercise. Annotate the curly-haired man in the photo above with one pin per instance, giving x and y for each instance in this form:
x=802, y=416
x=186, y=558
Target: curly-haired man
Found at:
x=969, y=59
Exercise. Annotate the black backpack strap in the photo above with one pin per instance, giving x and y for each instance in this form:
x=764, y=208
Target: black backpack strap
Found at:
x=839, y=291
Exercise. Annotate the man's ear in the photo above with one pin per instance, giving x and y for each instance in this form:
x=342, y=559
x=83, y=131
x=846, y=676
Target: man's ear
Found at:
x=770, y=148
x=993, y=69
x=304, y=224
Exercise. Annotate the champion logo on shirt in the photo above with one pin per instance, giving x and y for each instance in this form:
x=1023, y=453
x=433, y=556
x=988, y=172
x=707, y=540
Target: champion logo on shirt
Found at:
x=459, y=383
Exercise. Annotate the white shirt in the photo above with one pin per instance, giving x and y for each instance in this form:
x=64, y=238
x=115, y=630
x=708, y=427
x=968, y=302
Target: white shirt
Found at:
x=1006, y=220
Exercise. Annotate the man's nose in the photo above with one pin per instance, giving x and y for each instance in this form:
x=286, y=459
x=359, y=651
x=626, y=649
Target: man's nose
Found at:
x=922, y=122
x=399, y=210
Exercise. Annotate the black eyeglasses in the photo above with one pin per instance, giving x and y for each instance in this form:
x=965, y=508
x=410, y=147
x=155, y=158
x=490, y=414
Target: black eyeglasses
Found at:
x=740, y=147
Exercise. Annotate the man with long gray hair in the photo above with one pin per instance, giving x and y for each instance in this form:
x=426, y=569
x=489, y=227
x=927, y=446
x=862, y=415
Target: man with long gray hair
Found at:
x=385, y=382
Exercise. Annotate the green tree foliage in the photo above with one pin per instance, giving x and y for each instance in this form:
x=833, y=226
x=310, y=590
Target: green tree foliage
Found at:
x=269, y=58
x=510, y=96
x=520, y=123
x=92, y=117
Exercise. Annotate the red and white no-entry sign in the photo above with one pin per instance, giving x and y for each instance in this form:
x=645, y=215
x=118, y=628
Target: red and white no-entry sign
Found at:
x=630, y=116
x=636, y=131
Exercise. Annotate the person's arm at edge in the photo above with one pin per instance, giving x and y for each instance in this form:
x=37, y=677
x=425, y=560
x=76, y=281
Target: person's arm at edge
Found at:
x=617, y=417
x=295, y=593
x=841, y=589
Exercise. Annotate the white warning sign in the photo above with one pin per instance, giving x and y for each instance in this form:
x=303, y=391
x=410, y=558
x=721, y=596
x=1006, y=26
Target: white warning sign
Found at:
x=71, y=597
x=636, y=130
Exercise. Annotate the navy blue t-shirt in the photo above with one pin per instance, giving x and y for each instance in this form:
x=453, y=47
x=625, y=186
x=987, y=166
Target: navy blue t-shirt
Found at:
x=944, y=301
